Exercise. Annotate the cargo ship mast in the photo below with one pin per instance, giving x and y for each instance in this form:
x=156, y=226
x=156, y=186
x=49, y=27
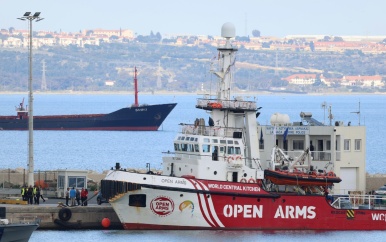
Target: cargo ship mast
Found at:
x=135, y=88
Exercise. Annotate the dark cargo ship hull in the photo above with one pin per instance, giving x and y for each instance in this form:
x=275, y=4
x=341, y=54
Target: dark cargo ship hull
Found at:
x=143, y=118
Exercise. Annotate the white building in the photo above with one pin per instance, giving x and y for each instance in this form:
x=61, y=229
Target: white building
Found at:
x=339, y=147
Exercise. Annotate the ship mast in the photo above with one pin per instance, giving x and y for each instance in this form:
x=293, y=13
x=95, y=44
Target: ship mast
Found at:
x=135, y=88
x=227, y=57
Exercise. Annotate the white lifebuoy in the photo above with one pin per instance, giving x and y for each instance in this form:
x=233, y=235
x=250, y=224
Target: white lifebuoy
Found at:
x=230, y=158
x=243, y=180
x=238, y=158
x=251, y=180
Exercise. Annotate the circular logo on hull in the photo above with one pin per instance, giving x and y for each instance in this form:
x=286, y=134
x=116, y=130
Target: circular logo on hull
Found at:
x=162, y=206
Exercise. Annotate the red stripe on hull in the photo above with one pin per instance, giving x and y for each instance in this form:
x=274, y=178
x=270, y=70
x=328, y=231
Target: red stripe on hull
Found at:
x=200, y=204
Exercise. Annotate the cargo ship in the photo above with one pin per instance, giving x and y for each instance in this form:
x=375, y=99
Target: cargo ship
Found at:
x=134, y=118
x=217, y=179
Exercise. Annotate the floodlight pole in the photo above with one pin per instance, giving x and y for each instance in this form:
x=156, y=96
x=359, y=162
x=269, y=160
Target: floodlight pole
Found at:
x=30, y=18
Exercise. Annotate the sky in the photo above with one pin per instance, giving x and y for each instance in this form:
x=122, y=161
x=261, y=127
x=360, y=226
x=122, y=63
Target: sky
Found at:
x=203, y=17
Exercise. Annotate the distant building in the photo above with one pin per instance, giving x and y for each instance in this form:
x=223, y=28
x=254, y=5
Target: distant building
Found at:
x=125, y=33
x=110, y=83
x=362, y=81
x=303, y=79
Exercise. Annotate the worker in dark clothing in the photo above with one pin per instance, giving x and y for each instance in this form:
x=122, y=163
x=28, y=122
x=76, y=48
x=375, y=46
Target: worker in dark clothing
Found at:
x=30, y=195
x=67, y=196
x=215, y=154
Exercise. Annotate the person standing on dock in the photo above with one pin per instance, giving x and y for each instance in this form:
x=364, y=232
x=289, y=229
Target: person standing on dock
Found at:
x=30, y=195
x=23, y=192
x=41, y=195
x=83, y=196
x=38, y=195
x=67, y=195
x=34, y=195
x=72, y=196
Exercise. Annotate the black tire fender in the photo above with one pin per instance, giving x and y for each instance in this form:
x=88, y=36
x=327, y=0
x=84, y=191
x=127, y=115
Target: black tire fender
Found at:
x=65, y=214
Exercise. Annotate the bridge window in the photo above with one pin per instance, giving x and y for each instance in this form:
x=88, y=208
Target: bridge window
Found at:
x=237, y=150
x=196, y=148
x=222, y=141
x=230, y=142
x=230, y=150
x=206, y=140
x=205, y=148
x=215, y=141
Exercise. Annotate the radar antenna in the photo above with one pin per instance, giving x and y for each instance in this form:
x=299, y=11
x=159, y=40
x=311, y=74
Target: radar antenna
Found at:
x=359, y=113
x=324, y=106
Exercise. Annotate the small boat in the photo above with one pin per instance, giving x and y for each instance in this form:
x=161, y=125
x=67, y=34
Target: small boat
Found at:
x=297, y=172
x=16, y=232
x=135, y=118
x=301, y=178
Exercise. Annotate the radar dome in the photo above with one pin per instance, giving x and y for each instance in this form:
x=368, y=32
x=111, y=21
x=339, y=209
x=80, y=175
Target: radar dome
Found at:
x=228, y=30
x=280, y=119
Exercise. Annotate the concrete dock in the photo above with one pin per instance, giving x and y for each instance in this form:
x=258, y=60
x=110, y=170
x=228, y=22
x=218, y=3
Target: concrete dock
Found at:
x=54, y=217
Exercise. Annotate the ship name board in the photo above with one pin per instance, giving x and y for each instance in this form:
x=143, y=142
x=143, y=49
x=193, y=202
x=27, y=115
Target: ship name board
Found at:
x=234, y=187
x=173, y=181
x=141, y=109
x=254, y=211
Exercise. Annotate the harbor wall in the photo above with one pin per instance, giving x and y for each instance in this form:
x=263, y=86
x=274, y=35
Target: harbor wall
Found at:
x=59, y=218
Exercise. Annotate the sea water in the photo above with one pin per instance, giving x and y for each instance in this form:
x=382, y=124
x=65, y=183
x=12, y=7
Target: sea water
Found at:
x=100, y=150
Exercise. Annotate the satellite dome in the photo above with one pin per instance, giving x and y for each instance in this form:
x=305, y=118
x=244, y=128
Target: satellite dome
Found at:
x=228, y=30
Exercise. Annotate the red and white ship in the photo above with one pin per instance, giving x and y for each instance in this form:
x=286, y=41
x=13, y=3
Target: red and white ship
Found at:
x=215, y=179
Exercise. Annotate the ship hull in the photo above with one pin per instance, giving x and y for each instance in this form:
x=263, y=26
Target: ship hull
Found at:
x=143, y=118
x=189, y=204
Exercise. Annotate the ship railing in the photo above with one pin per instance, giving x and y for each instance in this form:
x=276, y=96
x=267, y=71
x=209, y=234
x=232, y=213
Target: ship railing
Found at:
x=227, y=104
x=215, y=131
x=358, y=201
x=316, y=155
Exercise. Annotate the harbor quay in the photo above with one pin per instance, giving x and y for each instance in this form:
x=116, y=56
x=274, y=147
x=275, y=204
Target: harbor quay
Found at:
x=53, y=213
x=54, y=217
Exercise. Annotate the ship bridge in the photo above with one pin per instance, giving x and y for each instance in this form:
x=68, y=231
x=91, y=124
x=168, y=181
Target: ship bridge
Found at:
x=231, y=105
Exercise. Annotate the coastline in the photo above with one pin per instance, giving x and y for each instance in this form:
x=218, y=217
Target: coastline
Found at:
x=186, y=93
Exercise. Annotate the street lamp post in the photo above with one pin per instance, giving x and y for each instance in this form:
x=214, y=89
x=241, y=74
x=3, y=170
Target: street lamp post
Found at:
x=30, y=18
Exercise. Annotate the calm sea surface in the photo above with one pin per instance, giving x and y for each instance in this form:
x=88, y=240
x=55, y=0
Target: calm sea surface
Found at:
x=100, y=150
